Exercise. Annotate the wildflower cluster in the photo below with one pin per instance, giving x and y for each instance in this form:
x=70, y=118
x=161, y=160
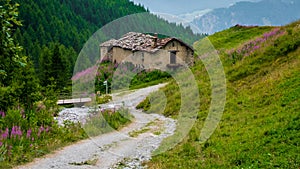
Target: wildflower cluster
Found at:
x=250, y=47
x=21, y=134
x=16, y=132
x=2, y=114
x=85, y=73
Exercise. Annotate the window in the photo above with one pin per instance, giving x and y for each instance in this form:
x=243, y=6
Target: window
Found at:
x=173, y=57
x=143, y=57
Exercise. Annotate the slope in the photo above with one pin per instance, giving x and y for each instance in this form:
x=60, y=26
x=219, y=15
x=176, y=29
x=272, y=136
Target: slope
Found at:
x=260, y=124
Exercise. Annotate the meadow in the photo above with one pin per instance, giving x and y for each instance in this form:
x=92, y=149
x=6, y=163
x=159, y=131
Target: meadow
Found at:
x=261, y=121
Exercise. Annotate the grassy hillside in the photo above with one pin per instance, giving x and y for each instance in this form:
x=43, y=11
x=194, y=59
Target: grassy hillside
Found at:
x=261, y=122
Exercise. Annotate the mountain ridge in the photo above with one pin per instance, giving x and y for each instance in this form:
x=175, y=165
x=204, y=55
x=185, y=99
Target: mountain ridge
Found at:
x=280, y=12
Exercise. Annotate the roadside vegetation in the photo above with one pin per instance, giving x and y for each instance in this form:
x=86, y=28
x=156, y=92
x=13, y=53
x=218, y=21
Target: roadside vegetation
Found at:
x=124, y=76
x=28, y=101
x=106, y=121
x=149, y=78
x=27, y=134
x=261, y=122
x=102, y=99
x=27, y=126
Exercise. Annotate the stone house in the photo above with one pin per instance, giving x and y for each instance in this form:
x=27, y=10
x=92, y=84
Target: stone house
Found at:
x=148, y=51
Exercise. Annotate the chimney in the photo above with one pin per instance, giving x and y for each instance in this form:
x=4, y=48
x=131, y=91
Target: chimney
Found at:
x=155, y=40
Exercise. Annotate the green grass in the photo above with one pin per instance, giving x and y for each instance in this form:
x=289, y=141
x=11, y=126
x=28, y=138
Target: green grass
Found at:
x=234, y=36
x=261, y=122
x=147, y=84
x=155, y=127
x=125, y=76
x=136, y=133
x=103, y=99
x=149, y=78
x=107, y=121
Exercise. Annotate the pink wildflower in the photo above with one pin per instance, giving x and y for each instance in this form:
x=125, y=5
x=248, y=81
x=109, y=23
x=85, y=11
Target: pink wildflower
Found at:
x=5, y=134
x=41, y=129
x=16, y=131
x=29, y=131
x=2, y=114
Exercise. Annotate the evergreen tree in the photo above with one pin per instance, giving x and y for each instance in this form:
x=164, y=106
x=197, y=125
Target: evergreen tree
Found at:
x=45, y=68
x=54, y=66
x=18, y=85
x=60, y=67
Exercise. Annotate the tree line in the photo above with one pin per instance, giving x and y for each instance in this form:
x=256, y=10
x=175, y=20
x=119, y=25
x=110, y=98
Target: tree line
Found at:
x=53, y=33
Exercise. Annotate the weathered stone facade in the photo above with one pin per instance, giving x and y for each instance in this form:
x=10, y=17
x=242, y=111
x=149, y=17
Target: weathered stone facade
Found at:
x=148, y=51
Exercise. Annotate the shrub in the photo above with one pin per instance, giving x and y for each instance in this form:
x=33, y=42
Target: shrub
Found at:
x=103, y=99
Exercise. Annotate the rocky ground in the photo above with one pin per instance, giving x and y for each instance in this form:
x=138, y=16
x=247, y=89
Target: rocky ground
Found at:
x=127, y=148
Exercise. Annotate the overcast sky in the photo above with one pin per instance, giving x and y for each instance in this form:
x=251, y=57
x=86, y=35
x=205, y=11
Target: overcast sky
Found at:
x=184, y=6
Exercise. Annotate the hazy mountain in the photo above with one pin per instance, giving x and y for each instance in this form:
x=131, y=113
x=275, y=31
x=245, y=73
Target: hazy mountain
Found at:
x=265, y=12
x=184, y=19
x=189, y=17
x=177, y=7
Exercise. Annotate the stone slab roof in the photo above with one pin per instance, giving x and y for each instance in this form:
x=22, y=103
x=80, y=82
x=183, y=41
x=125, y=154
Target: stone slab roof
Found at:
x=139, y=42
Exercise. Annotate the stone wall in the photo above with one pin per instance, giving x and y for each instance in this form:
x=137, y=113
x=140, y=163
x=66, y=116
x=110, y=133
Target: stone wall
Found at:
x=159, y=59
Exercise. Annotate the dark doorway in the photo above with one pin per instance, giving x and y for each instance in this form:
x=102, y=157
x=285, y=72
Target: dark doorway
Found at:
x=173, y=57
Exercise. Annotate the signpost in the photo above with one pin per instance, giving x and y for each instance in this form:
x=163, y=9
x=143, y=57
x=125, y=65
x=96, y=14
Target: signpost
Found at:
x=105, y=83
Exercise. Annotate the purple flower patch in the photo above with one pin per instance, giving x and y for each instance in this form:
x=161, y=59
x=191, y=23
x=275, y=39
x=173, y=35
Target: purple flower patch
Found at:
x=29, y=131
x=252, y=46
x=2, y=114
x=5, y=135
x=16, y=132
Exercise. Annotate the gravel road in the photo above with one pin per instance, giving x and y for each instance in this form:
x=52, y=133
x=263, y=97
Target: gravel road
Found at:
x=118, y=149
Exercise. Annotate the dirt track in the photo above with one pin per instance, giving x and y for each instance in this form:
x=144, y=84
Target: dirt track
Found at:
x=118, y=148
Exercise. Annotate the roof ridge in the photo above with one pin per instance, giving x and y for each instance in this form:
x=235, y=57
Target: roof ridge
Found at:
x=136, y=41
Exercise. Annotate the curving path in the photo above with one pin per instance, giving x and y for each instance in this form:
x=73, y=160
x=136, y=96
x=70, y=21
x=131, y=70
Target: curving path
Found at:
x=118, y=149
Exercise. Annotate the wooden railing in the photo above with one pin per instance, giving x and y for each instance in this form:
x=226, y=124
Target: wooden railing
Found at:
x=66, y=98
